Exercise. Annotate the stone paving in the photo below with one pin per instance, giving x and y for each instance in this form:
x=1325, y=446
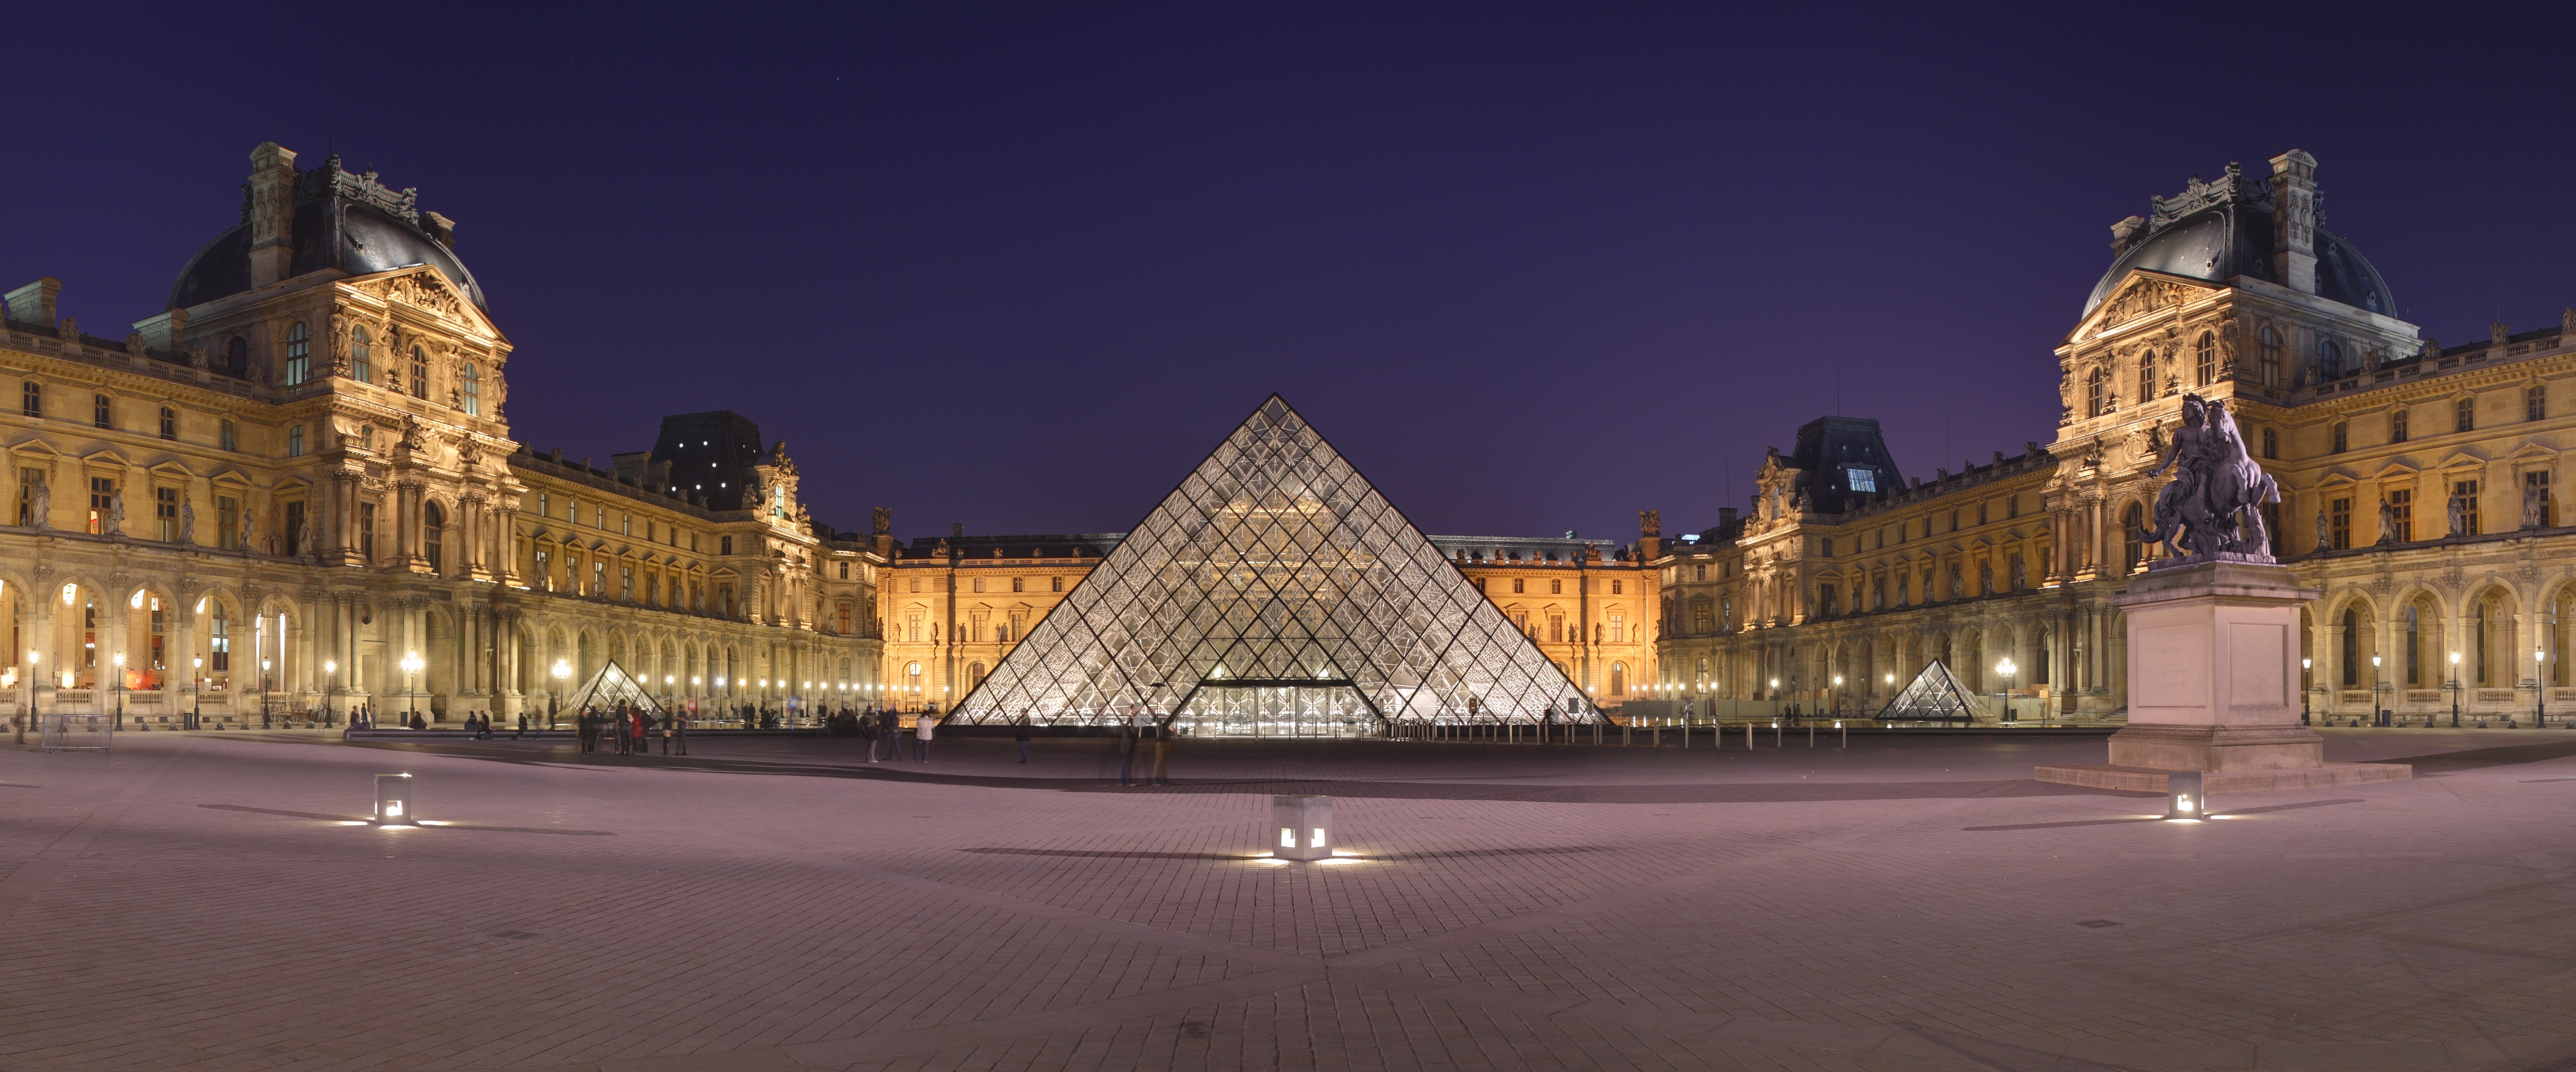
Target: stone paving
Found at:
x=206, y=900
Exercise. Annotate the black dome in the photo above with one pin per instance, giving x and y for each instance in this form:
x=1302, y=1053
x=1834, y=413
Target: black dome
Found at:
x=342, y=221
x=2220, y=230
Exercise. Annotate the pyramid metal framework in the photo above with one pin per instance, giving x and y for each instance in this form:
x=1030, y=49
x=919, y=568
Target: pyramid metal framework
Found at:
x=1935, y=695
x=1275, y=592
x=611, y=686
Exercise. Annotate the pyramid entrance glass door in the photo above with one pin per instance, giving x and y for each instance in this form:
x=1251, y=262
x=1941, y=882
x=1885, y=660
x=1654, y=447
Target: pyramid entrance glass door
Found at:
x=1275, y=591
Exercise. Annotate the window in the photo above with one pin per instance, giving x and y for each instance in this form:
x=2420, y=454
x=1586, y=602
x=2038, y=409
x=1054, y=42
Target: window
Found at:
x=237, y=358
x=626, y=583
x=1618, y=627
x=2205, y=360
x=1516, y=585
x=2146, y=377
x=366, y=532
x=1555, y=587
x=2271, y=444
x=2097, y=385
x=2535, y=402
x=2342, y=436
x=473, y=381
x=2339, y=524
x=294, y=441
x=978, y=584
x=598, y=576
x=33, y=402
x=2351, y=648
x=1015, y=581
x=2414, y=644
x=2465, y=415
x=101, y=415
x=169, y=423
x=724, y=546
x=102, y=493
x=219, y=642
x=845, y=571
x=545, y=578
x=1616, y=586
x=2535, y=491
x=652, y=589
x=433, y=522
x=2401, y=514
x=2330, y=360
x=2466, y=494
x=226, y=436
x=1618, y=679
x=165, y=513
x=1699, y=573
x=626, y=524
x=2268, y=361
x=2397, y=426
x=1825, y=600
x=1057, y=584
x=361, y=368
x=1556, y=628
x=841, y=618
x=419, y=373
x=1828, y=548
x=299, y=354
x=227, y=523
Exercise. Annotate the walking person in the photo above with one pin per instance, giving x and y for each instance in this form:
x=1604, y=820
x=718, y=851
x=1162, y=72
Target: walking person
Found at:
x=921, y=728
x=679, y=733
x=1127, y=740
x=643, y=726
x=1021, y=732
x=1163, y=755
x=667, y=720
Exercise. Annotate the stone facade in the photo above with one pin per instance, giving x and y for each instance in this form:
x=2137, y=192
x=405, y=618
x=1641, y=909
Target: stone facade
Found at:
x=2416, y=481
x=271, y=496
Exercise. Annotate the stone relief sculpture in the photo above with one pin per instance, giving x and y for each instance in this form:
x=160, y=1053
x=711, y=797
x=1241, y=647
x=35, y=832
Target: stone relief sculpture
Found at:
x=2213, y=506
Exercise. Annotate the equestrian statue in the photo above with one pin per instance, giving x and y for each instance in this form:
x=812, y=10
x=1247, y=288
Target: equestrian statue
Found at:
x=2213, y=507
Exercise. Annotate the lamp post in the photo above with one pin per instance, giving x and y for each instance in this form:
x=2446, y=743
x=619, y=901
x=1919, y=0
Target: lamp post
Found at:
x=2454, y=686
x=411, y=691
x=2006, y=670
x=1834, y=699
x=330, y=684
x=2304, y=665
x=2539, y=688
x=33, y=657
x=197, y=703
x=263, y=693
x=119, y=689
x=2377, y=688
x=554, y=696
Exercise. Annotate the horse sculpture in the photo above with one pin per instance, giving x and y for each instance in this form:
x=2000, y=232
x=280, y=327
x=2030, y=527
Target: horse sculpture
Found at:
x=2214, y=504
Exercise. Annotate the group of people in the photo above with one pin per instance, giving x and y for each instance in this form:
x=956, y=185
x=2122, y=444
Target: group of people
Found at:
x=363, y=717
x=630, y=730
x=887, y=725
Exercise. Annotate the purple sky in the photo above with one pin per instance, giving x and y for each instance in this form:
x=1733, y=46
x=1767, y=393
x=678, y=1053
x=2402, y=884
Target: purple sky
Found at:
x=1533, y=270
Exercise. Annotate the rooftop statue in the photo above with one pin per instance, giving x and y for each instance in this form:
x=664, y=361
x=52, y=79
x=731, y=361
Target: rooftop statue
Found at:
x=2213, y=508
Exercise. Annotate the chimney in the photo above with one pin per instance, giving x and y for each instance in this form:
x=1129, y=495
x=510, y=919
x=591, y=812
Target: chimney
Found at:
x=957, y=529
x=2125, y=233
x=2499, y=331
x=440, y=228
x=270, y=209
x=1725, y=516
x=34, y=303
x=1650, y=534
x=2294, y=220
x=882, y=528
x=163, y=332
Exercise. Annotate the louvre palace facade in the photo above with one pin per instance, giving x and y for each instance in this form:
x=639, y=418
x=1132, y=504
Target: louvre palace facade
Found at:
x=295, y=488
x=2416, y=481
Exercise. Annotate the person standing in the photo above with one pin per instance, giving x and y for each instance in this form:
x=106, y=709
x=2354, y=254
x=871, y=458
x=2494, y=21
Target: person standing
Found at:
x=1128, y=729
x=921, y=728
x=643, y=727
x=1163, y=755
x=680, y=733
x=1022, y=734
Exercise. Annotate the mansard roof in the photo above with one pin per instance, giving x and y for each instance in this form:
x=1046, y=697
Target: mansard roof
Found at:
x=344, y=221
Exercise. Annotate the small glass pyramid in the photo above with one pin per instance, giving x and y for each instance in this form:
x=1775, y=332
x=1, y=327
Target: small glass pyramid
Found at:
x=1275, y=593
x=1935, y=695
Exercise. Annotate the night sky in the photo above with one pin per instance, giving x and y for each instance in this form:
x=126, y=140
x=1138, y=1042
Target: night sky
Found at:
x=1532, y=269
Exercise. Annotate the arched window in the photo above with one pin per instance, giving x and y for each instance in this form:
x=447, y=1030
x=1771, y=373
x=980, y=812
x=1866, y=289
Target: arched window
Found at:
x=361, y=368
x=419, y=374
x=2414, y=644
x=433, y=524
x=2351, y=648
x=472, y=379
x=2146, y=377
x=2329, y=360
x=2268, y=362
x=237, y=358
x=2205, y=360
x=219, y=642
x=1618, y=679
x=299, y=354
x=2096, y=386
x=2133, y=518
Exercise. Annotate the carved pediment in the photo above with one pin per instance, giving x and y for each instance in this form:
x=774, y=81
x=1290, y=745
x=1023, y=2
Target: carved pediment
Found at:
x=427, y=290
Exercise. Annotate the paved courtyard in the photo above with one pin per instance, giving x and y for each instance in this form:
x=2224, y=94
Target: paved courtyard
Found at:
x=205, y=901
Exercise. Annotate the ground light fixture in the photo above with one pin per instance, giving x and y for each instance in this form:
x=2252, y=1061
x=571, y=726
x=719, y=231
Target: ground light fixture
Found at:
x=2184, y=800
x=1301, y=827
x=393, y=801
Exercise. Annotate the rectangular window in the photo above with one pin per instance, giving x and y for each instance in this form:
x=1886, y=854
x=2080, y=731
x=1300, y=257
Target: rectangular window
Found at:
x=2339, y=524
x=845, y=571
x=1862, y=479
x=165, y=513
x=544, y=507
x=1555, y=587
x=912, y=627
x=227, y=523
x=419, y=373
x=2271, y=443
x=2466, y=492
x=102, y=492
x=1828, y=548
x=626, y=524
x=169, y=423
x=978, y=584
x=2342, y=436
x=1616, y=585
x=626, y=583
x=1618, y=627
x=1556, y=627
x=598, y=577
x=2465, y=415
x=295, y=441
x=101, y=414
x=2535, y=490
x=226, y=437
x=724, y=600
x=473, y=390
x=1058, y=584
x=33, y=402
x=724, y=546
x=1015, y=582
x=1516, y=585
x=366, y=532
x=299, y=356
x=2397, y=426
x=545, y=578
x=2401, y=515
x=599, y=518
x=2535, y=403
x=841, y=618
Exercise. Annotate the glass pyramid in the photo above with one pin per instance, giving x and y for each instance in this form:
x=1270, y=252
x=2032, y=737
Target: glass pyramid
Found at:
x=611, y=686
x=1935, y=695
x=1274, y=592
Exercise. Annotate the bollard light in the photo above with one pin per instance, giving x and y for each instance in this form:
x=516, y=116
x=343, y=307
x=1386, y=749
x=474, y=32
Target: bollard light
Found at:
x=1301, y=827
x=2184, y=801
x=393, y=801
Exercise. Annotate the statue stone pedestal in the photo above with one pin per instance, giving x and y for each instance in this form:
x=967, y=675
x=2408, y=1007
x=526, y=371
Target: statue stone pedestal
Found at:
x=2214, y=687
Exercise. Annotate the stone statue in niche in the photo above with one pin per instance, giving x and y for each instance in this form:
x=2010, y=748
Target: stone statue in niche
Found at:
x=40, y=510
x=2531, y=506
x=187, y=520
x=1985, y=578
x=2213, y=507
x=2020, y=574
x=116, y=512
x=304, y=537
x=2325, y=535
x=2459, y=510
x=2387, y=522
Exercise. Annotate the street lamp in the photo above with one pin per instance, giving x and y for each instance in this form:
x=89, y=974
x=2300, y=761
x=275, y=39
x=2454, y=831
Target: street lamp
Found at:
x=2377, y=687
x=2006, y=670
x=554, y=696
x=411, y=668
x=196, y=673
x=263, y=693
x=1835, y=699
x=2454, y=686
x=2539, y=688
x=330, y=684
x=2304, y=664
x=119, y=689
